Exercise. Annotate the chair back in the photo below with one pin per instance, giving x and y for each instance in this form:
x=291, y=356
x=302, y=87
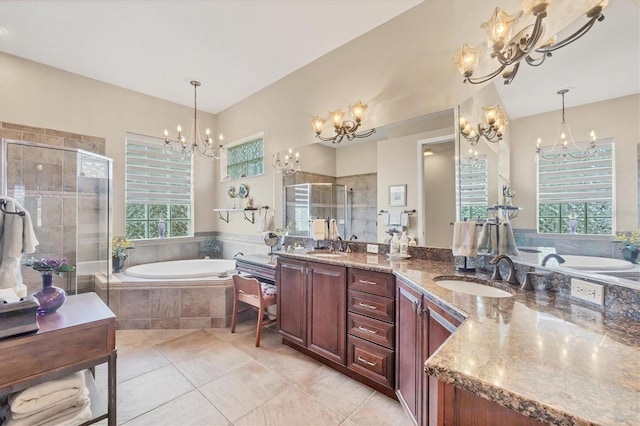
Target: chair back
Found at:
x=247, y=287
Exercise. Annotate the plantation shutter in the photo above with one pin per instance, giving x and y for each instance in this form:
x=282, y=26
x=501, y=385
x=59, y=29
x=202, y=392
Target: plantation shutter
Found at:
x=578, y=180
x=474, y=182
x=154, y=177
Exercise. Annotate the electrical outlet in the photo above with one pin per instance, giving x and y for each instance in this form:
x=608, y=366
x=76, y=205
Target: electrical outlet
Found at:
x=372, y=248
x=587, y=291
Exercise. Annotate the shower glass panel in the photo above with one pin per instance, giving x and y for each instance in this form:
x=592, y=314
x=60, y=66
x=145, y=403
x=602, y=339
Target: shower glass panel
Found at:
x=67, y=193
x=307, y=201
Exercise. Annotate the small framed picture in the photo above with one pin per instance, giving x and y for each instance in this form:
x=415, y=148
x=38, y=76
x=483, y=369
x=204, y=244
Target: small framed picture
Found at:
x=397, y=195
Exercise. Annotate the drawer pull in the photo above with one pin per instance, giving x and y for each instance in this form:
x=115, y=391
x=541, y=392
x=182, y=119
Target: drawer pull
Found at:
x=366, y=330
x=368, y=282
x=366, y=362
x=364, y=305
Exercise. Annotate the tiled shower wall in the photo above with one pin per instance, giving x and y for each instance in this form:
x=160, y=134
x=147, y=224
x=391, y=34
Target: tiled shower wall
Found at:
x=362, y=195
x=50, y=182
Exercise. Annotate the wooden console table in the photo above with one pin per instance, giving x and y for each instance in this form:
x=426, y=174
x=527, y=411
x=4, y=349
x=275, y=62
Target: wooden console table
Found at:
x=79, y=336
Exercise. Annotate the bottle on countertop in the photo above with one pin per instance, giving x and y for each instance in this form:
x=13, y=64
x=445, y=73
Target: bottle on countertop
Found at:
x=395, y=245
x=412, y=241
x=404, y=244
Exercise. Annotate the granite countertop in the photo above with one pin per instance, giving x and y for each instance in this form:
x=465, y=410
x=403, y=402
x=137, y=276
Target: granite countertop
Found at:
x=537, y=353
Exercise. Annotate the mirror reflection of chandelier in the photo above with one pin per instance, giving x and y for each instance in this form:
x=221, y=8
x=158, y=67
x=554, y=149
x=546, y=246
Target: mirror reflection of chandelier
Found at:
x=342, y=127
x=286, y=163
x=194, y=141
x=532, y=43
x=496, y=121
x=565, y=147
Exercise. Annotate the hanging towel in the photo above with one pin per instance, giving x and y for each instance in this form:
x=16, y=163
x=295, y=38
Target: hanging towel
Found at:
x=507, y=243
x=484, y=239
x=319, y=229
x=16, y=237
x=384, y=219
x=395, y=217
x=465, y=239
x=334, y=234
x=404, y=219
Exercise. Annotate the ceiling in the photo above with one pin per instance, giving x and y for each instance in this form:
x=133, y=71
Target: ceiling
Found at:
x=236, y=48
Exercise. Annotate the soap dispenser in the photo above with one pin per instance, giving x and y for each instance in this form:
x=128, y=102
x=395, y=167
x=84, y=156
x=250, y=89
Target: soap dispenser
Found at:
x=404, y=244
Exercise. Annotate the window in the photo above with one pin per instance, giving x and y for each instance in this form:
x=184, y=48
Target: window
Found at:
x=474, y=193
x=244, y=158
x=158, y=188
x=578, y=192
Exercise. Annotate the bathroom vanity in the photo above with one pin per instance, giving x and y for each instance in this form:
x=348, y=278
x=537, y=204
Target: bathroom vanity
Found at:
x=452, y=357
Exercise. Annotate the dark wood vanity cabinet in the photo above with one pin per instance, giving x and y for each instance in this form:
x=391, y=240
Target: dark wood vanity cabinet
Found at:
x=311, y=307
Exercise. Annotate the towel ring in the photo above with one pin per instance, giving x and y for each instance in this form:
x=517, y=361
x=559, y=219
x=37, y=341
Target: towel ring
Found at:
x=3, y=210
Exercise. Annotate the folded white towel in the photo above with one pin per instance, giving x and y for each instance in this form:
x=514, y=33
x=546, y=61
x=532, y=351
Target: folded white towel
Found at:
x=404, y=219
x=48, y=393
x=395, y=217
x=319, y=229
x=71, y=405
x=507, y=243
x=465, y=239
x=72, y=419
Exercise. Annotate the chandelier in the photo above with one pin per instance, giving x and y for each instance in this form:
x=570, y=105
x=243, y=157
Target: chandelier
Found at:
x=565, y=146
x=342, y=127
x=527, y=43
x=285, y=163
x=496, y=124
x=194, y=141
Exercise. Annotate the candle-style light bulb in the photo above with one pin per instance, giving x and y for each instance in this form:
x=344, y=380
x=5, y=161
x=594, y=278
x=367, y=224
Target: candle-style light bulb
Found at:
x=166, y=135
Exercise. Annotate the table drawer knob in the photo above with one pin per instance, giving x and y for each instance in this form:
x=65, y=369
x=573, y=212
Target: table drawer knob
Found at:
x=364, y=305
x=366, y=330
x=368, y=282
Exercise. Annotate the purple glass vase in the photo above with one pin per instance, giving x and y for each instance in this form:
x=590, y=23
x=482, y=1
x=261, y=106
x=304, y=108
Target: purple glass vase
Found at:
x=49, y=296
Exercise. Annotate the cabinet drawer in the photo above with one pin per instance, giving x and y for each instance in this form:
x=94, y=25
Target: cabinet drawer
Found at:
x=372, y=282
x=370, y=360
x=371, y=329
x=373, y=306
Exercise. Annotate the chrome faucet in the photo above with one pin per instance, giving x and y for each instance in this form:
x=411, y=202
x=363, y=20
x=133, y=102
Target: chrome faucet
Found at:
x=348, y=243
x=552, y=256
x=513, y=277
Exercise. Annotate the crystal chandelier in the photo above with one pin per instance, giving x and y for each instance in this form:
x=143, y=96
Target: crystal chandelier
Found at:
x=528, y=43
x=565, y=147
x=496, y=124
x=342, y=127
x=194, y=141
x=286, y=163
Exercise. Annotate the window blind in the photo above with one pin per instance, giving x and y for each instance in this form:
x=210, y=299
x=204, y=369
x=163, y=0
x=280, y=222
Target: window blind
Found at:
x=578, y=180
x=152, y=176
x=474, y=182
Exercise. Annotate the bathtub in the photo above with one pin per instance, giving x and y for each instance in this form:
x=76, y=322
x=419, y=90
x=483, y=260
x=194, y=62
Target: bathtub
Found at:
x=183, y=269
x=171, y=295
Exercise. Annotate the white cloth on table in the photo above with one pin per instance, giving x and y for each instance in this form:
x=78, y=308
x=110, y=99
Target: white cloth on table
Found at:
x=319, y=227
x=268, y=289
x=53, y=414
x=43, y=395
x=16, y=238
x=73, y=418
x=507, y=243
x=465, y=239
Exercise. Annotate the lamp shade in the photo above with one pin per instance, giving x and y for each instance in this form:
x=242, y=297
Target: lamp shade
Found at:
x=357, y=110
x=467, y=60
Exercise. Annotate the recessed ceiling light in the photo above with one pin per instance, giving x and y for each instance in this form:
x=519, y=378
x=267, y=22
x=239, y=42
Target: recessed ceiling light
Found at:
x=427, y=152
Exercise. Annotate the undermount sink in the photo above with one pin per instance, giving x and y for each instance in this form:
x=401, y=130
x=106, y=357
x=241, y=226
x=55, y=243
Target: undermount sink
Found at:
x=326, y=254
x=473, y=288
x=592, y=263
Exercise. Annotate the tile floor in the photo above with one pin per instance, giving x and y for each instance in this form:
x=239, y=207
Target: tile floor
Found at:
x=213, y=377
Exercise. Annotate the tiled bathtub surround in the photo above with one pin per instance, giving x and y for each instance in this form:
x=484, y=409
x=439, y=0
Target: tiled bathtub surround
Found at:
x=169, y=304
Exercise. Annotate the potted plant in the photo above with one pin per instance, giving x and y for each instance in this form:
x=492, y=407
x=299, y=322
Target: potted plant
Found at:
x=119, y=247
x=631, y=241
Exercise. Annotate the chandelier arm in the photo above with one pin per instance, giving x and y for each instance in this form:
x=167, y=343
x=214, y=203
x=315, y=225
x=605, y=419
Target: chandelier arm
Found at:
x=480, y=80
x=511, y=74
x=333, y=139
x=364, y=135
x=573, y=37
x=536, y=33
x=536, y=62
x=473, y=141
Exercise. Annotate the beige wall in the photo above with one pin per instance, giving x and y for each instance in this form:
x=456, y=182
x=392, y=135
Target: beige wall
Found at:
x=616, y=118
x=37, y=95
x=439, y=196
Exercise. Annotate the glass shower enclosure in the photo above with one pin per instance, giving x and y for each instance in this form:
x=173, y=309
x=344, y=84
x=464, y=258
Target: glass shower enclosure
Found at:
x=67, y=193
x=307, y=201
